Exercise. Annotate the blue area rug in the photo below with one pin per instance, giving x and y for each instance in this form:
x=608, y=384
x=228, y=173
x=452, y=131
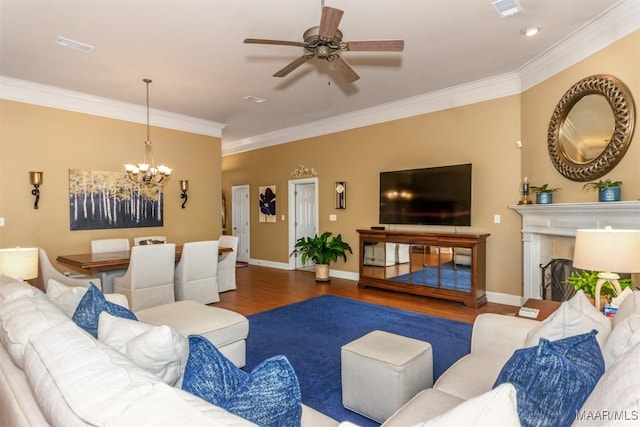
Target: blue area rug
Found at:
x=456, y=279
x=311, y=333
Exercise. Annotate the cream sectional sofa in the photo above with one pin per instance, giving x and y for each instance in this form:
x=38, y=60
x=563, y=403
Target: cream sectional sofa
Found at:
x=464, y=391
x=52, y=373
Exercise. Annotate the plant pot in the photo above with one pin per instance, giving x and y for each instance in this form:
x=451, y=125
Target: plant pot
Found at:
x=322, y=273
x=609, y=194
x=544, y=198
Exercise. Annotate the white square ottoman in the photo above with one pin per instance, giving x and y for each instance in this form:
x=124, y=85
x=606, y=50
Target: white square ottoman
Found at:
x=383, y=371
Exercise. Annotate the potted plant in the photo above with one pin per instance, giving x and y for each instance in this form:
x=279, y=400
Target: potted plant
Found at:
x=587, y=280
x=544, y=194
x=322, y=251
x=608, y=191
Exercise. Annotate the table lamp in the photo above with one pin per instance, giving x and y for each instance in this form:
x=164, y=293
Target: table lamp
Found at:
x=19, y=263
x=607, y=251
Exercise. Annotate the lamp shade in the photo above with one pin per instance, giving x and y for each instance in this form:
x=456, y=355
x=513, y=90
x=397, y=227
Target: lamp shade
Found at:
x=19, y=263
x=608, y=250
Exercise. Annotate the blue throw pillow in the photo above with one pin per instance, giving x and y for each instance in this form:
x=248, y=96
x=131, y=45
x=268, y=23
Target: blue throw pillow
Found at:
x=554, y=379
x=268, y=396
x=91, y=305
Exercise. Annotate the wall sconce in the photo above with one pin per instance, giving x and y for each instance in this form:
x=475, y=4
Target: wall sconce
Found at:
x=184, y=186
x=36, y=180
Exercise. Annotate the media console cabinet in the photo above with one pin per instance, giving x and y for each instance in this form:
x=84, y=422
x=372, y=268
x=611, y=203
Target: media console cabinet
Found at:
x=450, y=266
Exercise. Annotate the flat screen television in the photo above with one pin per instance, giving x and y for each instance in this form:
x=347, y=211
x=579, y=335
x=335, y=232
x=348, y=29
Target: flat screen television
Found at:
x=429, y=196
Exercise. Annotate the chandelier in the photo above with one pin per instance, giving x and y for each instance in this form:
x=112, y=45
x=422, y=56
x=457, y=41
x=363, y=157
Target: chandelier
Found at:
x=147, y=173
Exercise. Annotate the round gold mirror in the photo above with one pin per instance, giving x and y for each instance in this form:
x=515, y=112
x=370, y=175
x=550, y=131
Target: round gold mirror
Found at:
x=591, y=128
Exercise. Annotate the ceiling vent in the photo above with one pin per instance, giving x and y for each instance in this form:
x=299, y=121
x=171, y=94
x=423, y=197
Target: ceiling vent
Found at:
x=507, y=8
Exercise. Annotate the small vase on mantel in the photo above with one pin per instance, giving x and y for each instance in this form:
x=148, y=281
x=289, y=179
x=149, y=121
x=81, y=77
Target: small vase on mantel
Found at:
x=608, y=191
x=544, y=198
x=609, y=194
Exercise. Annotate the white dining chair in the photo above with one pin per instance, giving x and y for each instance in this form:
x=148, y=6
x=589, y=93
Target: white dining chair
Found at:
x=109, y=245
x=149, y=279
x=149, y=240
x=196, y=273
x=227, y=263
x=48, y=271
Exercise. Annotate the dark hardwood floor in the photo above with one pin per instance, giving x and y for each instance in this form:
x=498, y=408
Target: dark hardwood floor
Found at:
x=262, y=288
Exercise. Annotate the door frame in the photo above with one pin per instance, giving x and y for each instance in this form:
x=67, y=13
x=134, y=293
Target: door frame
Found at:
x=292, y=213
x=234, y=204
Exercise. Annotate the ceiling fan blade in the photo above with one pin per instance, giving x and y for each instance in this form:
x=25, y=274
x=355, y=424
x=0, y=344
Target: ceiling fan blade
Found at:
x=278, y=42
x=329, y=22
x=345, y=69
x=292, y=66
x=376, y=45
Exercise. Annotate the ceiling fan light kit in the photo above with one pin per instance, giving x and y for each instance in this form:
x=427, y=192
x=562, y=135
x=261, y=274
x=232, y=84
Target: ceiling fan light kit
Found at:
x=325, y=42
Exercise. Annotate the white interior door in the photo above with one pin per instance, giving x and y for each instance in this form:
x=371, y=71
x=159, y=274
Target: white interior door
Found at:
x=240, y=209
x=303, y=213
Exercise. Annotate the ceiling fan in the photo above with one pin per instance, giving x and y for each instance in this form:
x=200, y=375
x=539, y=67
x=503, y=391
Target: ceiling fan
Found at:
x=325, y=42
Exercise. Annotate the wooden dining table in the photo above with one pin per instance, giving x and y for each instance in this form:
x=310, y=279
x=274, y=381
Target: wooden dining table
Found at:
x=98, y=263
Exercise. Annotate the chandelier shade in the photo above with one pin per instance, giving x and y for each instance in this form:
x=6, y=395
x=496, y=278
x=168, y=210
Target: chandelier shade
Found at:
x=147, y=172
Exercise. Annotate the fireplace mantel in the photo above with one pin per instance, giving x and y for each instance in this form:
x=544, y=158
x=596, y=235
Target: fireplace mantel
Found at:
x=540, y=222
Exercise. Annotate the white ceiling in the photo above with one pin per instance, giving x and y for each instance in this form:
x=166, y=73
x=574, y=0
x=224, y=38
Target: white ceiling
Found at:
x=193, y=51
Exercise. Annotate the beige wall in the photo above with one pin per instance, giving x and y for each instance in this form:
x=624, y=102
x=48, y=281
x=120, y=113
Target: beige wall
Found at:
x=621, y=60
x=54, y=141
x=483, y=134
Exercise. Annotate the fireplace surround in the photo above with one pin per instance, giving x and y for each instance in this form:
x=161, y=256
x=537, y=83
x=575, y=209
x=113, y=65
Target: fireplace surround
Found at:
x=548, y=232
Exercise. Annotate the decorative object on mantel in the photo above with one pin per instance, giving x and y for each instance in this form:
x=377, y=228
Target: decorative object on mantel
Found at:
x=105, y=199
x=145, y=173
x=184, y=186
x=303, y=171
x=524, y=191
x=544, y=194
x=322, y=252
x=35, y=177
x=610, y=252
x=591, y=128
x=608, y=191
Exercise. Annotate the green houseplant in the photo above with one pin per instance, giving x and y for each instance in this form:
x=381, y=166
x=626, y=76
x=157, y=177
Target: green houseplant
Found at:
x=544, y=194
x=586, y=281
x=608, y=191
x=322, y=251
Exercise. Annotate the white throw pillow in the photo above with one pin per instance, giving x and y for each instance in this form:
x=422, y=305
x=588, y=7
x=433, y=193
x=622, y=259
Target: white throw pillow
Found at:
x=624, y=336
x=573, y=317
x=630, y=305
x=12, y=289
x=161, y=350
x=496, y=407
x=21, y=318
x=65, y=297
x=615, y=400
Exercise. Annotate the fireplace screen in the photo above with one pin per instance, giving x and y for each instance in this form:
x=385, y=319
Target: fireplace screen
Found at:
x=554, y=280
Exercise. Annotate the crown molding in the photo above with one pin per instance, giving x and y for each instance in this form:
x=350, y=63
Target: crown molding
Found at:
x=49, y=96
x=457, y=96
x=619, y=21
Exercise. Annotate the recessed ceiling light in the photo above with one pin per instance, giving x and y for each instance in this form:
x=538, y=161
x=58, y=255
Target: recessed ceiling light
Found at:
x=254, y=99
x=507, y=8
x=530, y=31
x=63, y=41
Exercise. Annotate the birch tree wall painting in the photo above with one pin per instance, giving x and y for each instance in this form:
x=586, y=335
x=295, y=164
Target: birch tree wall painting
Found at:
x=267, y=204
x=99, y=199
